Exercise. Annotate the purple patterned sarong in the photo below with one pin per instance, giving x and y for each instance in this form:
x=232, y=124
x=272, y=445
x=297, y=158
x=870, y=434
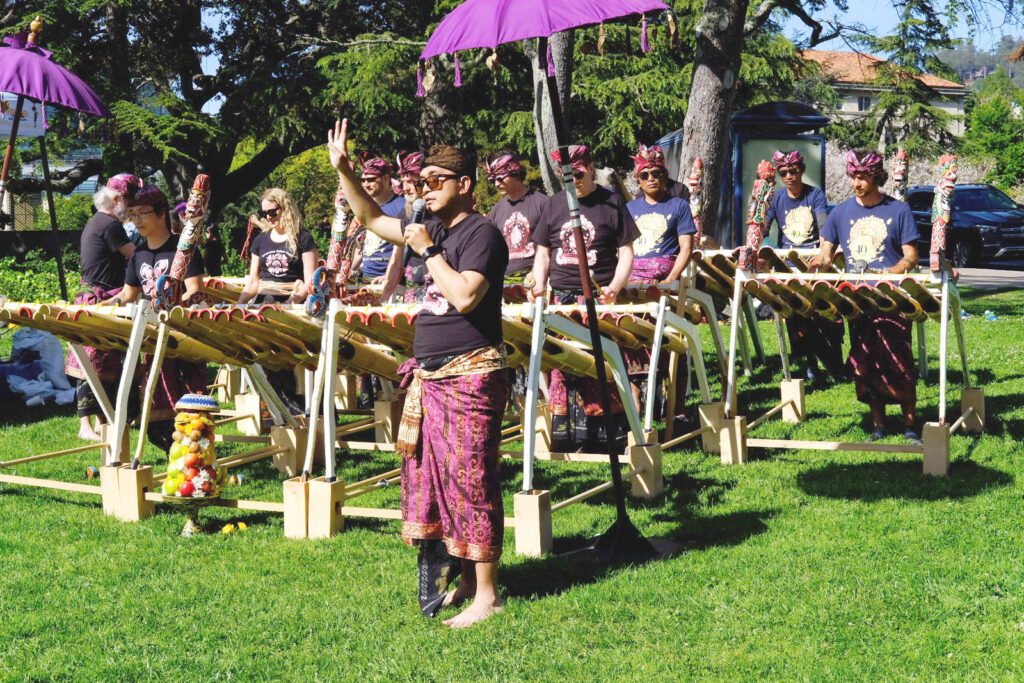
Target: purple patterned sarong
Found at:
x=882, y=358
x=106, y=363
x=651, y=270
x=450, y=489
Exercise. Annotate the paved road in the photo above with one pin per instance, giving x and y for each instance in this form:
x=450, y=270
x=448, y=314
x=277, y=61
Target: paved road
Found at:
x=992, y=278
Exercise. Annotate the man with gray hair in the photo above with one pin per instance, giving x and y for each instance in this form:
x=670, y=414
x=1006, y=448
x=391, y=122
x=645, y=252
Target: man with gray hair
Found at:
x=105, y=250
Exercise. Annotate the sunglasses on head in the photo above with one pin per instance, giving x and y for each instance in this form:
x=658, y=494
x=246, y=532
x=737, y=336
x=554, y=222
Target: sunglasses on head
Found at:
x=435, y=182
x=269, y=213
x=651, y=175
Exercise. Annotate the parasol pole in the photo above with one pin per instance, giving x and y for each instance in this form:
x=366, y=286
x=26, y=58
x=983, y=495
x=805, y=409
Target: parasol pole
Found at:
x=53, y=217
x=622, y=541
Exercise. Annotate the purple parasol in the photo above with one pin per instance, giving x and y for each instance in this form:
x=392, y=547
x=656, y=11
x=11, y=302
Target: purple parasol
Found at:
x=489, y=23
x=29, y=70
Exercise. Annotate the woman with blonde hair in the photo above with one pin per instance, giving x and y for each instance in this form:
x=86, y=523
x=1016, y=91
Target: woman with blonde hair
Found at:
x=284, y=252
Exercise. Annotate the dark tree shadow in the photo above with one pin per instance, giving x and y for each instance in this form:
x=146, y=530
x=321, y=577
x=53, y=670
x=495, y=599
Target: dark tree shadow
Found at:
x=904, y=480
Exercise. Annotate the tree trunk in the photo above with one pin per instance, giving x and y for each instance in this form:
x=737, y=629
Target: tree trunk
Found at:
x=716, y=67
x=543, y=123
x=437, y=118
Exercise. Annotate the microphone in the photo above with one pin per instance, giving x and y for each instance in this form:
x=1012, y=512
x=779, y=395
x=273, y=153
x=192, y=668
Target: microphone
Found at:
x=419, y=207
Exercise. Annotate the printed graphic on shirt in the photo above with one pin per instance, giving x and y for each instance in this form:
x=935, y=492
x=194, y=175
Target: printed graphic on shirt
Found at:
x=565, y=255
x=373, y=243
x=799, y=224
x=867, y=238
x=517, y=235
x=652, y=228
x=276, y=261
x=150, y=274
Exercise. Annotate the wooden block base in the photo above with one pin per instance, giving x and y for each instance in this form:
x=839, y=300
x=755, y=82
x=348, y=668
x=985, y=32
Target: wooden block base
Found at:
x=390, y=412
x=936, y=449
x=973, y=398
x=793, y=390
x=324, y=518
x=296, y=508
x=532, y=511
x=231, y=379
x=733, y=440
x=249, y=404
x=711, y=416
x=649, y=482
x=290, y=462
x=133, y=485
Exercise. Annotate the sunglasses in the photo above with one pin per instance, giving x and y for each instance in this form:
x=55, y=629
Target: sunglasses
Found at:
x=652, y=175
x=434, y=182
x=788, y=171
x=578, y=175
x=498, y=178
x=269, y=213
x=370, y=179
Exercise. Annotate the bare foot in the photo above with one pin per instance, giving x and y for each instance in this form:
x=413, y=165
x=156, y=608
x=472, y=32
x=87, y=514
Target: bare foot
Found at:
x=88, y=435
x=475, y=613
x=464, y=591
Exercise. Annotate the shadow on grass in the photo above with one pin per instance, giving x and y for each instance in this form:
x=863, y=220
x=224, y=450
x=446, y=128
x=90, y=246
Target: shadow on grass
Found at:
x=13, y=414
x=887, y=480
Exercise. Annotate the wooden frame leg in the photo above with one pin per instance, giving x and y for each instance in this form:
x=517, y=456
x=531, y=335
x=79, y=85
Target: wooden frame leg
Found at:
x=532, y=510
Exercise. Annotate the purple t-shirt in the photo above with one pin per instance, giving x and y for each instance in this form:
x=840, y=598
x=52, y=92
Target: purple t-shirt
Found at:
x=277, y=262
x=798, y=218
x=516, y=220
x=607, y=225
x=473, y=244
x=660, y=225
x=147, y=265
x=377, y=251
x=874, y=236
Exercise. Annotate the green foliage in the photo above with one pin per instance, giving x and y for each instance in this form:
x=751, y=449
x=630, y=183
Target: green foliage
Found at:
x=995, y=128
x=73, y=212
x=35, y=277
x=312, y=183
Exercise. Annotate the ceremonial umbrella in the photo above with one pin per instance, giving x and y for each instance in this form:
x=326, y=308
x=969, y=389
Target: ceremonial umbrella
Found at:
x=29, y=72
x=489, y=23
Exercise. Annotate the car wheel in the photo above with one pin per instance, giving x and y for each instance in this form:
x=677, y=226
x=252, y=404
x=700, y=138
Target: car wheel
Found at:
x=963, y=254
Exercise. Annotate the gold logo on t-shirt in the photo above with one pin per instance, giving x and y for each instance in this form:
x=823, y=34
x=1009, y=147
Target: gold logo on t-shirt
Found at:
x=867, y=237
x=799, y=225
x=652, y=226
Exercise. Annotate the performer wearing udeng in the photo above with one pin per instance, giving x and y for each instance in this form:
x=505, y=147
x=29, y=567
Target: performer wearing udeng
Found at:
x=665, y=223
x=284, y=252
x=518, y=211
x=877, y=232
x=800, y=212
x=451, y=427
x=150, y=213
x=105, y=250
x=608, y=233
x=376, y=179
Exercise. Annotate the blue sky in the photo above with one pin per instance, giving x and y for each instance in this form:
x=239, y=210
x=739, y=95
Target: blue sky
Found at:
x=880, y=15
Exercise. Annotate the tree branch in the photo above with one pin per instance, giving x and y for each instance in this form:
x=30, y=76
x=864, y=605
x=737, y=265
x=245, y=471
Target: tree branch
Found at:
x=61, y=181
x=319, y=41
x=760, y=16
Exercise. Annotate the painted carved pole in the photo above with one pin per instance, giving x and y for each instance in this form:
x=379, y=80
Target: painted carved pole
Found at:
x=695, y=183
x=940, y=211
x=760, y=198
x=330, y=277
x=170, y=287
x=899, y=175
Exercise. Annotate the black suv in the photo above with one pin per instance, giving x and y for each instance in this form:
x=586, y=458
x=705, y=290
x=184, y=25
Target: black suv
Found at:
x=984, y=223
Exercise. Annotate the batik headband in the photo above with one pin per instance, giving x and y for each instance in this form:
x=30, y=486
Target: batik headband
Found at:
x=125, y=184
x=648, y=157
x=409, y=163
x=503, y=166
x=794, y=158
x=579, y=157
x=374, y=166
x=870, y=162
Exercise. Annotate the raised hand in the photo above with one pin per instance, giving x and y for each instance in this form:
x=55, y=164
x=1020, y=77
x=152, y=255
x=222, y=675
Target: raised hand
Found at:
x=337, y=144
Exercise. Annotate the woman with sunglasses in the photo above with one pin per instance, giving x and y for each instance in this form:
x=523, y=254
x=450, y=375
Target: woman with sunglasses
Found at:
x=608, y=234
x=105, y=250
x=800, y=213
x=284, y=252
x=450, y=433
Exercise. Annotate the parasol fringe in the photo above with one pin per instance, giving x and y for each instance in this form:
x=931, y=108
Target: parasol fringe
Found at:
x=420, y=91
x=673, y=30
x=601, y=37
x=645, y=43
x=458, y=72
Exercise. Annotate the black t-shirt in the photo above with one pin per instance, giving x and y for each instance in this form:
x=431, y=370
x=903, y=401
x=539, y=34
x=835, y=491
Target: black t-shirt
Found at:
x=607, y=225
x=147, y=265
x=277, y=263
x=214, y=256
x=473, y=244
x=678, y=189
x=102, y=264
x=516, y=220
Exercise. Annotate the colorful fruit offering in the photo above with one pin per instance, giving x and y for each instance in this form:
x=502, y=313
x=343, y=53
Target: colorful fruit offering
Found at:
x=192, y=471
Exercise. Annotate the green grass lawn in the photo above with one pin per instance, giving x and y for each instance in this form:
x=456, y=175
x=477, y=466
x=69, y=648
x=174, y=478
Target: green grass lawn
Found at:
x=798, y=565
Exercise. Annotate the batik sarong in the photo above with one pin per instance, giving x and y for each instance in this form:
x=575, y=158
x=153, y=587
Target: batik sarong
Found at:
x=450, y=474
x=882, y=359
x=107, y=364
x=651, y=271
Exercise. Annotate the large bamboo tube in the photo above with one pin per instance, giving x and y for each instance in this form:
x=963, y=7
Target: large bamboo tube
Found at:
x=907, y=306
x=846, y=307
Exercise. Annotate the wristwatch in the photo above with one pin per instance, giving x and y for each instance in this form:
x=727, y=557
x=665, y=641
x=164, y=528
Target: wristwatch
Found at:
x=432, y=250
